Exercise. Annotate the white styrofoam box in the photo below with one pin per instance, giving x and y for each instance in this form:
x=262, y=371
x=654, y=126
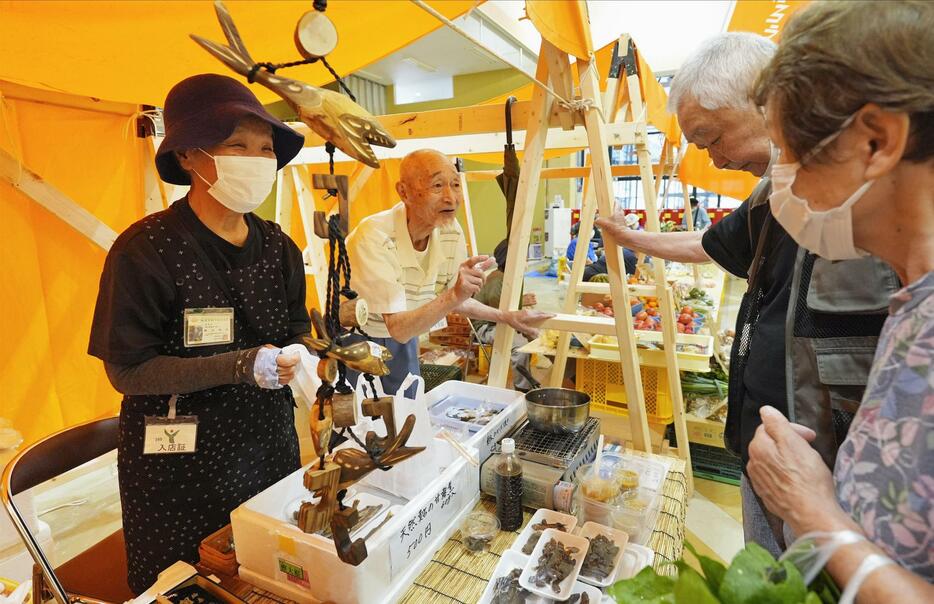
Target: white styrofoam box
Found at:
x=275, y=555
x=484, y=439
x=15, y=561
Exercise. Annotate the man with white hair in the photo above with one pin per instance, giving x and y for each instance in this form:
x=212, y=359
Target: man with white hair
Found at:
x=410, y=264
x=807, y=328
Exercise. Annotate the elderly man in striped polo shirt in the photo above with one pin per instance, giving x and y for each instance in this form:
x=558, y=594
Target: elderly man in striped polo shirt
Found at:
x=410, y=264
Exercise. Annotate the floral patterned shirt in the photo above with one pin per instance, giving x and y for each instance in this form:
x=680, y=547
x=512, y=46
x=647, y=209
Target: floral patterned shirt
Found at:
x=885, y=467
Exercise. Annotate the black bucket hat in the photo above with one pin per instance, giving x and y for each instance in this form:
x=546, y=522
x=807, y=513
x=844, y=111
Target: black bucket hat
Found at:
x=203, y=110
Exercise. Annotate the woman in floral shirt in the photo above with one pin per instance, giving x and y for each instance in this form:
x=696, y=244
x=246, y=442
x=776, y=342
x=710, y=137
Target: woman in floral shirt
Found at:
x=849, y=98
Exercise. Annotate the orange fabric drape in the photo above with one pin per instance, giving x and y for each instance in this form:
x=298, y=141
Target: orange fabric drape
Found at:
x=135, y=51
x=565, y=24
x=52, y=271
x=764, y=18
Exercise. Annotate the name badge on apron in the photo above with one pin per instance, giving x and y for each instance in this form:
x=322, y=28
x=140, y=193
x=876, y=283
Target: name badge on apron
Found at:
x=171, y=434
x=208, y=326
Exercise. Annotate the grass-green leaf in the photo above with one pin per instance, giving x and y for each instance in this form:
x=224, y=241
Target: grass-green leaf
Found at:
x=692, y=589
x=713, y=569
x=647, y=587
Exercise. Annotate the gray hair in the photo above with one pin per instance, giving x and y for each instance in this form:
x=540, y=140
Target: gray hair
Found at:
x=722, y=71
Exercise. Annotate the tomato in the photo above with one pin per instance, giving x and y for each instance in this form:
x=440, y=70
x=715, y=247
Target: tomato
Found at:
x=680, y=327
x=651, y=312
x=608, y=312
x=598, y=307
x=642, y=315
x=688, y=329
x=686, y=319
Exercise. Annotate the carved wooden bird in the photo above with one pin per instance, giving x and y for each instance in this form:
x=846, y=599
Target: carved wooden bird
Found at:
x=358, y=356
x=355, y=464
x=331, y=115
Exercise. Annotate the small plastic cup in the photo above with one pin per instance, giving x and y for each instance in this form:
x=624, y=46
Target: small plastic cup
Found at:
x=630, y=513
x=599, y=484
x=478, y=530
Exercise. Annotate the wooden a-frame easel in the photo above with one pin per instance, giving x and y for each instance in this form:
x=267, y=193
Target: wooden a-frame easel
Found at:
x=596, y=113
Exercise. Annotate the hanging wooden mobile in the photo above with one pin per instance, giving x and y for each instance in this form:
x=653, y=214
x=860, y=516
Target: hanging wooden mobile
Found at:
x=346, y=126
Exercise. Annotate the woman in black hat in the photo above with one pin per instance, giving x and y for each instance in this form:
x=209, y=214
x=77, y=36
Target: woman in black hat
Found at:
x=194, y=306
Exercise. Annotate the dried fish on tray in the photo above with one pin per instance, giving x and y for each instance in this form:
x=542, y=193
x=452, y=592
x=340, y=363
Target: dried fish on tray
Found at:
x=538, y=529
x=555, y=564
x=506, y=590
x=601, y=558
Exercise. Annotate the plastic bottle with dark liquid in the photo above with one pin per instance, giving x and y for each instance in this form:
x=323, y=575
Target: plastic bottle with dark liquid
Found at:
x=508, y=473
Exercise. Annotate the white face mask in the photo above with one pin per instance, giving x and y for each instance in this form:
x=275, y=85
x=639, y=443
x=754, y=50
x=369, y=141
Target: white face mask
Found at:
x=242, y=182
x=828, y=234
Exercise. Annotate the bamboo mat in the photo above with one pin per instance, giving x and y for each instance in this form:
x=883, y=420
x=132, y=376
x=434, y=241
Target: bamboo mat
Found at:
x=456, y=576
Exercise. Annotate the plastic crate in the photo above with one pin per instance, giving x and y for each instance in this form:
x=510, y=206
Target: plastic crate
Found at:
x=435, y=375
x=603, y=381
x=712, y=463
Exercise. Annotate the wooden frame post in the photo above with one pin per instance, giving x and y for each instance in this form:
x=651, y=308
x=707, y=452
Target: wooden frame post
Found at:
x=521, y=230
x=588, y=214
x=663, y=290
x=471, y=234
x=603, y=189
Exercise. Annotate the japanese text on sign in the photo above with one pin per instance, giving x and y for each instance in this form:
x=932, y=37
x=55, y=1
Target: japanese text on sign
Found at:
x=416, y=531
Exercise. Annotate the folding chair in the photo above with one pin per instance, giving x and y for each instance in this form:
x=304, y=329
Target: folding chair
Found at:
x=98, y=574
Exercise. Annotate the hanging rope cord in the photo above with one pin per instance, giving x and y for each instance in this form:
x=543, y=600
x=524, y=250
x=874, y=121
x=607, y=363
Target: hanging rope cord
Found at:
x=338, y=266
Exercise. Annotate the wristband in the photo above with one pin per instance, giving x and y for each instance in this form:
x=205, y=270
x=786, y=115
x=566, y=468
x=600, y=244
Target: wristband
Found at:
x=811, y=551
x=870, y=564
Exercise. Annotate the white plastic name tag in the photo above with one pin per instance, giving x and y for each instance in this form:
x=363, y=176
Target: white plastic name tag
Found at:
x=440, y=324
x=171, y=434
x=208, y=326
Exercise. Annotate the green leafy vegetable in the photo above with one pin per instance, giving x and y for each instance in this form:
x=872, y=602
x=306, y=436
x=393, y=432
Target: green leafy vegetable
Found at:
x=691, y=588
x=647, y=587
x=713, y=569
x=754, y=577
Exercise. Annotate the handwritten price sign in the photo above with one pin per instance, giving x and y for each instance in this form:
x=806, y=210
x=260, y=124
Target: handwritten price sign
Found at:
x=432, y=517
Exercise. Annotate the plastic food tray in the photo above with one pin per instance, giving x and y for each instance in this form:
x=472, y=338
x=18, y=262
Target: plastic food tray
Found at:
x=439, y=412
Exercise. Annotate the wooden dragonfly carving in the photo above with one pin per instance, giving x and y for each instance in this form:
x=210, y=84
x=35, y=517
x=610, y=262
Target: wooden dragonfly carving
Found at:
x=331, y=115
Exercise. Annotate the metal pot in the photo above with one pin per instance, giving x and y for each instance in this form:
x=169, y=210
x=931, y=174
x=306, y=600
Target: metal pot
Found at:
x=555, y=410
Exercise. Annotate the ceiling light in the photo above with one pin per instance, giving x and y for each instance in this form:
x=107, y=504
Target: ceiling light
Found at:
x=420, y=64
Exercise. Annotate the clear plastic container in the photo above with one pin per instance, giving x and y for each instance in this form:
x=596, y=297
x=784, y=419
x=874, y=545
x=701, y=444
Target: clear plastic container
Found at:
x=605, y=483
x=600, y=484
x=635, y=514
x=478, y=530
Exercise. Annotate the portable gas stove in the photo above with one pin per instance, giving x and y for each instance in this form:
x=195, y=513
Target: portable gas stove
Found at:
x=547, y=460
x=566, y=452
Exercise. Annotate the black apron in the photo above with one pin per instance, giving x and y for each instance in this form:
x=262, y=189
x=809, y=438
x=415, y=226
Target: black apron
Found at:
x=246, y=437
x=746, y=322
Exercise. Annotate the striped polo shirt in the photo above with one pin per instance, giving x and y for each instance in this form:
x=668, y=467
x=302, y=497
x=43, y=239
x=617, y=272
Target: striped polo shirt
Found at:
x=385, y=268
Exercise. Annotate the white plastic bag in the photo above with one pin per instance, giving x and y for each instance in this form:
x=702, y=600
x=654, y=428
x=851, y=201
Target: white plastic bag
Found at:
x=306, y=382
x=408, y=478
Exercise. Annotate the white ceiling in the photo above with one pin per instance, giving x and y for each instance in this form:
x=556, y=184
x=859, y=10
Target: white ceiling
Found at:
x=443, y=52
x=665, y=31
x=663, y=40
